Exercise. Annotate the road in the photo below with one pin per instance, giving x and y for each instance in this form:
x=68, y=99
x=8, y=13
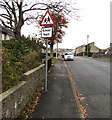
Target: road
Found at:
x=92, y=79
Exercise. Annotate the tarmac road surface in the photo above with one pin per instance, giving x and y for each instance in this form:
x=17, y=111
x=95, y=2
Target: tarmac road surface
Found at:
x=92, y=79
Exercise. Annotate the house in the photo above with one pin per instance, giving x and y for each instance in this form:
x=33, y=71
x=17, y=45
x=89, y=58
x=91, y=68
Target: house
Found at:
x=81, y=50
x=93, y=48
x=5, y=34
x=109, y=48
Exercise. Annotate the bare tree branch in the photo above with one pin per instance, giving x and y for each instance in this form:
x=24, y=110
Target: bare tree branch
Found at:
x=14, y=12
x=6, y=16
x=8, y=5
x=5, y=24
x=31, y=8
x=17, y=12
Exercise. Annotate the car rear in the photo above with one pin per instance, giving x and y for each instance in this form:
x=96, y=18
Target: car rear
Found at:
x=68, y=56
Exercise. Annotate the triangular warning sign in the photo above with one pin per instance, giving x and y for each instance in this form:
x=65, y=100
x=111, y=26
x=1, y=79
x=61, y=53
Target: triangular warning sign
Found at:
x=47, y=19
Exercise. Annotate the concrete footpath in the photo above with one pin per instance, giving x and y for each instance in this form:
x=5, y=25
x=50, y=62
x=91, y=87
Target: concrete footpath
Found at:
x=58, y=101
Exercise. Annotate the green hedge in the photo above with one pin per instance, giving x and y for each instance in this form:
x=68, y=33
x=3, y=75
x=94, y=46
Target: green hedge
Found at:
x=17, y=58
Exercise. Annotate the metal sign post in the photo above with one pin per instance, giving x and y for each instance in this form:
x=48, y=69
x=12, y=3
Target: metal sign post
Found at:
x=47, y=20
x=46, y=65
x=46, y=33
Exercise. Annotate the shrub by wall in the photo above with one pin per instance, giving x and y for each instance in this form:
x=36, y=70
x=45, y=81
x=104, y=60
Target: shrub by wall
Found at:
x=14, y=99
x=17, y=58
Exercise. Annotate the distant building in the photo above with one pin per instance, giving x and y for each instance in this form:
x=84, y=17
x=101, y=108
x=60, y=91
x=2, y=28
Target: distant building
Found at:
x=93, y=48
x=5, y=34
x=109, y=49
x=82, y=49
x=62, y=50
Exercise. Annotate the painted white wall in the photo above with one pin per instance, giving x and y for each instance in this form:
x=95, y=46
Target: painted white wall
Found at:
x=4, y=37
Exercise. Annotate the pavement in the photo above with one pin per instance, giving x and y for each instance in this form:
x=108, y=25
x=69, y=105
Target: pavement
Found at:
x=59, y=100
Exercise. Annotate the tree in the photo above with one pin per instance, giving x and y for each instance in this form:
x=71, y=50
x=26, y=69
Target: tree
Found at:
x=87, y=50
x=17, y=12
x=58, y=33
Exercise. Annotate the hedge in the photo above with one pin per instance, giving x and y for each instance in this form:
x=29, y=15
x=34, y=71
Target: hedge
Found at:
x=17, y=58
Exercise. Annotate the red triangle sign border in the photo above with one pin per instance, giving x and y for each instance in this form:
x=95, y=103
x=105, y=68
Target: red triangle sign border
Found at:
x=53, y=23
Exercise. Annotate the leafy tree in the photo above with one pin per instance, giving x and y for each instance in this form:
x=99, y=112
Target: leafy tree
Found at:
x=14, y=13
x=87, y=49
x=58, y=33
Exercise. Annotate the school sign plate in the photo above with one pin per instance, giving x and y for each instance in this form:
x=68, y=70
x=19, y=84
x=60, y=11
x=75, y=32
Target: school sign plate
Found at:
x=46, y=32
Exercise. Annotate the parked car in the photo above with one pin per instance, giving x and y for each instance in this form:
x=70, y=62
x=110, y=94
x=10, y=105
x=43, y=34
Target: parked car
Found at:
x=108, y=53
x=68, y=56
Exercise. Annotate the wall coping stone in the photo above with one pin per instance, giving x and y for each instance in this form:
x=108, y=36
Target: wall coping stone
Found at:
x=14, y=99
x=33, y=70
x=21, y=83
x=11, y=90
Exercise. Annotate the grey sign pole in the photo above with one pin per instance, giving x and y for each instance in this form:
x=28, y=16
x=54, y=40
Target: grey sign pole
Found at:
x=46, y=65
x=46, y=33
x=47, y=20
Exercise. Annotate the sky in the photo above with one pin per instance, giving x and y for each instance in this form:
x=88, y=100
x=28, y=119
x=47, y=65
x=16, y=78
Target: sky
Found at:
x=94, y=21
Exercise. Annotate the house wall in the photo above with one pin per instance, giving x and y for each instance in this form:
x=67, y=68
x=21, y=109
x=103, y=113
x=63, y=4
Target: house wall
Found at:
x=94, y=49
x=0, y=33
x=0, y=36
x=5, y=37
x=5, y=34
x=80, y=49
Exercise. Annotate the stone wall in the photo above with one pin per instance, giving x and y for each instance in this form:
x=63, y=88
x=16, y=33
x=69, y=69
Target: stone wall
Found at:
x=15, y=99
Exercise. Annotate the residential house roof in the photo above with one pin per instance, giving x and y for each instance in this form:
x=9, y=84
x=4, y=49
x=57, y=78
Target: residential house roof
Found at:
x=5, y=30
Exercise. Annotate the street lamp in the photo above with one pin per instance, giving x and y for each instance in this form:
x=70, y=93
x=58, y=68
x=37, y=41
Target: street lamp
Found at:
x=87, y=44
x=83, y=49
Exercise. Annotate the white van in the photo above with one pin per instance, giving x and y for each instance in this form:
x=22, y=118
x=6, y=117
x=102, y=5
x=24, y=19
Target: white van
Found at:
x=68, y=56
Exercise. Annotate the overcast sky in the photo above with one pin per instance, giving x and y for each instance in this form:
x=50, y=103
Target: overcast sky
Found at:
x=95, y=22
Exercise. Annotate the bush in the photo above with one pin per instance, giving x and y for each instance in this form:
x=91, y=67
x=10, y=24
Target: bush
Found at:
x=17, y=58
x=10, y=74
x=10, y=77
x=29, y=61
x=80, y=54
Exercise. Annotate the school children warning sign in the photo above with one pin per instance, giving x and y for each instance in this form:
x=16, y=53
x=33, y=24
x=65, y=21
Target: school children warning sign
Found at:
x=47, y=19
